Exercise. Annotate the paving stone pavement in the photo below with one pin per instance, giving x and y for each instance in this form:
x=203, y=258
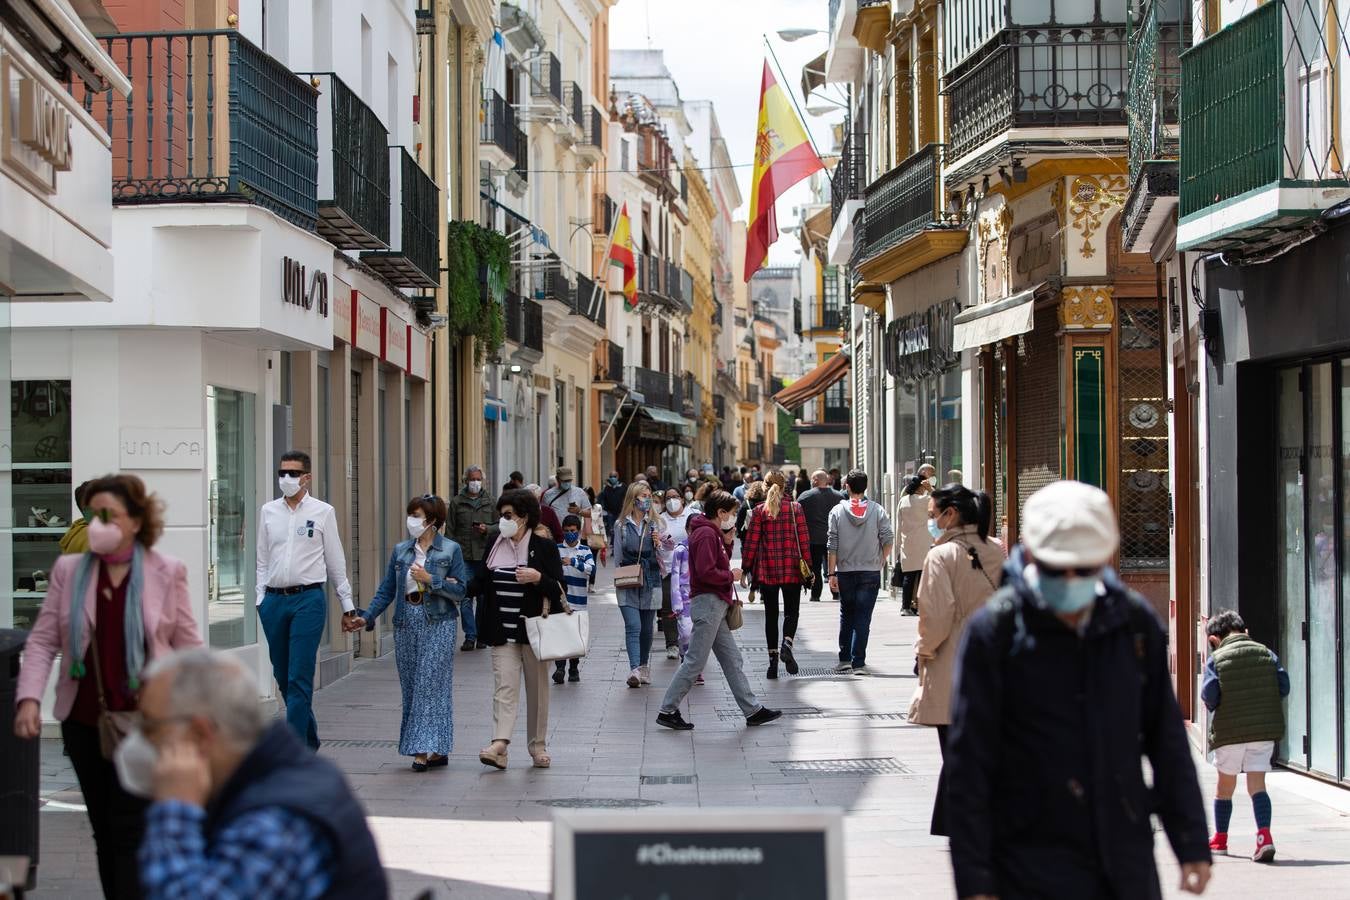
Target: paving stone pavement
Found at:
x=469, y=832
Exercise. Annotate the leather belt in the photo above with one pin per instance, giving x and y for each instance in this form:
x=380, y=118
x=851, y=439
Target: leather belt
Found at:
x=296, y=589
x=415, y=598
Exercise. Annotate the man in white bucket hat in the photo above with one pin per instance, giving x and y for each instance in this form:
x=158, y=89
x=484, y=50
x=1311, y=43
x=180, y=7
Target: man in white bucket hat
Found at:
x=1062, y=685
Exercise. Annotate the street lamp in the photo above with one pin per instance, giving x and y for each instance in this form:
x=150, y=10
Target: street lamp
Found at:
x=796, y=34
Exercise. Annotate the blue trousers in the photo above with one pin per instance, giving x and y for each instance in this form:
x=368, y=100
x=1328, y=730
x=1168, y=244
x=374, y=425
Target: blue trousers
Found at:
x=857, y=598
x=638, y=627
x=466, y=613
x=293, y=624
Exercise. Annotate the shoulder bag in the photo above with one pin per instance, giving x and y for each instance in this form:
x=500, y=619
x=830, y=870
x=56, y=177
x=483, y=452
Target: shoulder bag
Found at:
x=629, y=577
x=564, y=636
x=808, y=577
x=113, y=725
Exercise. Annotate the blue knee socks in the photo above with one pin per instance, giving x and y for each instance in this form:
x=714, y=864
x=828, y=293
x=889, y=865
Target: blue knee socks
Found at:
x=1261, y=809
x=1223, y=814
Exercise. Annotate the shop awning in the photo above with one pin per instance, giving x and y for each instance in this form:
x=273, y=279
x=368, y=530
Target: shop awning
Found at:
x=813, y=75
x=990, y=323
x=813, y=383
x=665, y=416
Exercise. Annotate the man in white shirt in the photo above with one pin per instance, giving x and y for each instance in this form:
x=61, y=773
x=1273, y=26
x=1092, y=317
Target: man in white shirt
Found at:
x=299, y=551
x=566, y=499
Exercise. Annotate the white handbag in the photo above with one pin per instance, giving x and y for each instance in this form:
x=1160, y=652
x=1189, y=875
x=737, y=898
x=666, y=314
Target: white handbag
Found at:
x=564, y=635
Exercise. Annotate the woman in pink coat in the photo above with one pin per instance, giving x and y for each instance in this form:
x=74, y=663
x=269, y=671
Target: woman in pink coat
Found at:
x=119, y=606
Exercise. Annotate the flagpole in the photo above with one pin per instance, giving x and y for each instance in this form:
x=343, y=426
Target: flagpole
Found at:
x=602, y=277
x=791, y=94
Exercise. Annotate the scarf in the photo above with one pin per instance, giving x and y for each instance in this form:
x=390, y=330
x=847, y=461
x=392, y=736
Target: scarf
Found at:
x=133, y=624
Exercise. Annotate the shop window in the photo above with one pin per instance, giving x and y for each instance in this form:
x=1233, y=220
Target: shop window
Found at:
x=231, y=453
x=40, y=505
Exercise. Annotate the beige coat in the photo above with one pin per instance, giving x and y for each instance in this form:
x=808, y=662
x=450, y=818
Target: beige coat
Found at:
x=951, y=591
x=911, y=524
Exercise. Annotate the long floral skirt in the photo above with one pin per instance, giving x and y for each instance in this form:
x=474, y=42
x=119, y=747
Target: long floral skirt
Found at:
x=425, y=652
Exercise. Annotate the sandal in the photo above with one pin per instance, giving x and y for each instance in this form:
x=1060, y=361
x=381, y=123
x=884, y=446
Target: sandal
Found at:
x=541, y=759
x=489, y=757
x=435, y=760
x=419, y=763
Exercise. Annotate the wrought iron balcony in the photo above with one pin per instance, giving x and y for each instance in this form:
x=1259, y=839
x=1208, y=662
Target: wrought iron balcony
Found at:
x=830, y=318
x=1156, y=43
x=414, y=255
x=752, y=393
x=514, y=316
x=533, y=331
x=609, y=361
x=691, y=395
x=835, y=413
x=499, y=124
x=850, y=175
x=756, y=450
x=574, y=101
x=1261, y=128
x=546, y=78
x=655, y=387
x=353, y=169
x=211, y=117
x=593, y=128
x=553, y=284
x=522, y=167
x=901, y=203
x=590, y=302
x=1037, y=77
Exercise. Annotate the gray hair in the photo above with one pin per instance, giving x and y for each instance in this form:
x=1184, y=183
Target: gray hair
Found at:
x=209, y=683
x=471, y=469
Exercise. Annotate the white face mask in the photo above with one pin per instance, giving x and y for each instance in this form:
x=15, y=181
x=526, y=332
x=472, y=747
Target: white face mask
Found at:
x=688, y=495
x=416, y=526
x=507, y=527
x=673, y=505
x=290, y=485
x=135, y=760
x=475, y=487
x=727, y=524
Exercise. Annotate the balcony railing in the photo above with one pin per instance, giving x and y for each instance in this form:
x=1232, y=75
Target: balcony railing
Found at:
x=1039, y=77
x=590, y=303
x=533, y=331
x=850, y=175
x=603, y=214
x=756, y=449
x=1154, y=104
x=593, y=129
x=499, y=124
x=553, y=284
x=830, y=318
x=609, y=361
x=901, y=203
x=720, y=407
x=835, y=414
x=522, y=166
x=211, y=117
x=353, y=169
x=574, y=102
x=655, y=387
x=546, y=77
x=414, y=255
x=514, y=316
x=1259, y=106
x=692, y=395
x=752, y=393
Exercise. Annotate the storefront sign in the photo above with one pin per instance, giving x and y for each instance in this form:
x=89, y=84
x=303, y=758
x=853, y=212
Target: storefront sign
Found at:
x=393, y=338
x=698, y=855
x=298, y=290
x=419, y=354
x=162, y=448
x=920, y=345
x=1035, y=253
x=368, y=332
x=35, y=127
x=343, y=298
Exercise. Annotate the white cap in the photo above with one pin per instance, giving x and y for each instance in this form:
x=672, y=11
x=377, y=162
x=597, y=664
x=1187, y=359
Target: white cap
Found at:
x=1070, y=525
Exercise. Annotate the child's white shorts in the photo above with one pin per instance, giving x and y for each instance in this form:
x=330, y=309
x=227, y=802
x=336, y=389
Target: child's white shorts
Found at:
x=1232, y=759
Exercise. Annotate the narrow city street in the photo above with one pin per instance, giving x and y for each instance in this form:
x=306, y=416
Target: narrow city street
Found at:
x=843, y=742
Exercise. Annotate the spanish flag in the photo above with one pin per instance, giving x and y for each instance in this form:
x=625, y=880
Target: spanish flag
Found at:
x=621, y=254
x=783, y=157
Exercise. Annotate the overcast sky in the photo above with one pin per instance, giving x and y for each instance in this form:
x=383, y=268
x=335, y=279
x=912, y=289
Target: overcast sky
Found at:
x=715, y=50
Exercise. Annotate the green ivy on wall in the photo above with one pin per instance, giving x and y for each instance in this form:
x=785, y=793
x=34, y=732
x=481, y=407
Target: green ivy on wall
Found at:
x=476, y=256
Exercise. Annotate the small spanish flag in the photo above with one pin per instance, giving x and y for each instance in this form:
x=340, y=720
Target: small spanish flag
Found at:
x=783, y=157
x=621, y=254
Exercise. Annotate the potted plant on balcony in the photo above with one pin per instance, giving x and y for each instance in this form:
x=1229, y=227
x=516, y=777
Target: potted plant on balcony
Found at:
x=479, y=263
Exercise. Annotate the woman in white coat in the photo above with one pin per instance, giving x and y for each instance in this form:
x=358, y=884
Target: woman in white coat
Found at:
x=911, y=518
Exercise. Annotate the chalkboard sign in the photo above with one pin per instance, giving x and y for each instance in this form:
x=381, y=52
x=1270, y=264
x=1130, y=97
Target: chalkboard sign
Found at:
x=698, y=854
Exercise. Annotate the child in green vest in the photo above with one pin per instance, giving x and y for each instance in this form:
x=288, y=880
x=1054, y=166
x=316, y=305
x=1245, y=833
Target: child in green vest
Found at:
x=1243, y=688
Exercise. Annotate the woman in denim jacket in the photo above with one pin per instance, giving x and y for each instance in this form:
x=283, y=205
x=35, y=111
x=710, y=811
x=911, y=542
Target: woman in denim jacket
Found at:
x=639, y=527
x=425, y=581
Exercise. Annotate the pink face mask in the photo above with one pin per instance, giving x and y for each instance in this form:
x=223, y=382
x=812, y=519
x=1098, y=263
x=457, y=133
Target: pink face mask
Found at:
x=104, y=537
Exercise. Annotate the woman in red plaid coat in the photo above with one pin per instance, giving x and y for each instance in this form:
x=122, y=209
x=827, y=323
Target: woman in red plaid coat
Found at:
x=772, y=553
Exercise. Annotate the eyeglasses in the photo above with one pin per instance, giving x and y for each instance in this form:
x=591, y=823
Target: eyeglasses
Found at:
x=1070, y=572
x=291, y=473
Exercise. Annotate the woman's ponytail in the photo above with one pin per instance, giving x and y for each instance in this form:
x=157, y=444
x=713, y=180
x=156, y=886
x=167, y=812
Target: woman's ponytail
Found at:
x=974, y=507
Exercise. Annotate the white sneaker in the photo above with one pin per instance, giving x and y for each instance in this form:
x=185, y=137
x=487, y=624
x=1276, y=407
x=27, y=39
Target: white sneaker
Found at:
x=672, y=653
x=861, y=670
x=844, y=668
x=634, y=678
x=645, y=674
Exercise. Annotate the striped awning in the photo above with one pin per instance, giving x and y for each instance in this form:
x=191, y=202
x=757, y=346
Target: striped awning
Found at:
x=813, y=383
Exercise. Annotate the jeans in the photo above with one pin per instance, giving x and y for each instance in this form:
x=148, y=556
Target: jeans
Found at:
x=117, y=817
x=857, y=598
x=669, y=628
x=638, y=626
x=613, y=534
x=466, y=615
x=819, y=556
x=909, y=587
x=293, y=624
x=792, y=604
x=711, y=635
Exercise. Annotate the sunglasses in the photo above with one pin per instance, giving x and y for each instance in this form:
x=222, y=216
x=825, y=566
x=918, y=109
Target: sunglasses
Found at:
x=1084, y=572
x=103, y=515
x=291, y=473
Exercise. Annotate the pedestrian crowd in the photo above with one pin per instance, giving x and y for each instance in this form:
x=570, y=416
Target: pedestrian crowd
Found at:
x=1045, y=679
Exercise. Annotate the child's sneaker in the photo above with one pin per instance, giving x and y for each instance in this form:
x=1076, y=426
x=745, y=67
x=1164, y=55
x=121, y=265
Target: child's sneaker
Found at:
x=1219, y=843
x=1265, y=846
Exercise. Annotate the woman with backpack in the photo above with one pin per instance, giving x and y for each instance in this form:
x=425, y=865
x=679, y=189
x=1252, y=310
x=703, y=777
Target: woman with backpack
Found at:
x=960, y=573
x=776, y=554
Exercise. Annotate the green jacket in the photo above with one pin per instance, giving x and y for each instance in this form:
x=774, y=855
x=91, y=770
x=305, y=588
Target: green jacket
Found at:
x=467, y=511
x=1249, y=707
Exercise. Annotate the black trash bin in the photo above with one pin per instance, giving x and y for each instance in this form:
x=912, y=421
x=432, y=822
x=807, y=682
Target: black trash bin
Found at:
x=19, y=770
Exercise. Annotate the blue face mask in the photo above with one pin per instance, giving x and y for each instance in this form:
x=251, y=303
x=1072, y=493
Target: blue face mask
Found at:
x=644, y=504
x=571, y=537
x=1064, y=595
x=934, y=529
x=613, y=480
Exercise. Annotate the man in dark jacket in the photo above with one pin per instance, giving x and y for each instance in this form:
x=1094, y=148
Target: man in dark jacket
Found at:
x=241, y=808
x=611, y=501
x=473, y=512
x=816, y=504
x=1061, y=686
